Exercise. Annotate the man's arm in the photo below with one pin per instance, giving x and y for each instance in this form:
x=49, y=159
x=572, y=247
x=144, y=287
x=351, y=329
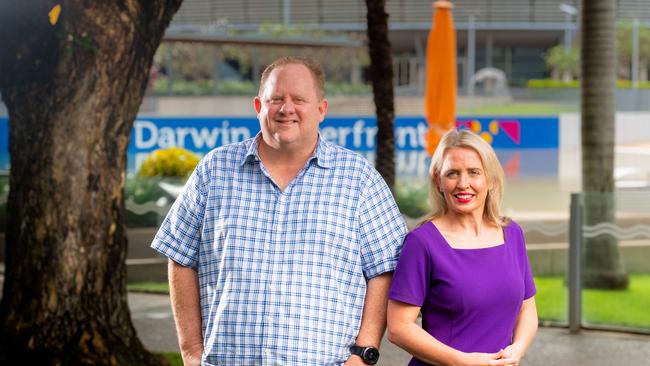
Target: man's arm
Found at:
x=186, y=306
x=373, y=320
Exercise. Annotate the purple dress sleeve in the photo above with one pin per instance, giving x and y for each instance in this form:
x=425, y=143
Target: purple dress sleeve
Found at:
x=412, y=277
x=529, y=284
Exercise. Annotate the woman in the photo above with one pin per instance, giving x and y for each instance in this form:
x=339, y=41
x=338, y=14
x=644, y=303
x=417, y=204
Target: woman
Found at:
x=465, y=268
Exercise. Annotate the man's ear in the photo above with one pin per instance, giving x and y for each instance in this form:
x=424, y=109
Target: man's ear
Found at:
x=322, y=109
x=257, y=103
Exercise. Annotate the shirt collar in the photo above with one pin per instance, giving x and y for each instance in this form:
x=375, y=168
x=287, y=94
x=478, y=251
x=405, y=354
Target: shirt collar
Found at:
x=323, y=154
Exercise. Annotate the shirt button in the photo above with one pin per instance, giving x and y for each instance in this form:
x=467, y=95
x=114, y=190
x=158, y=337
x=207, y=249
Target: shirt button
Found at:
x=267, y=351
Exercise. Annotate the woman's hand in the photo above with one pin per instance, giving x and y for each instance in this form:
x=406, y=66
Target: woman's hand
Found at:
x=485, y=359
x=512, y=352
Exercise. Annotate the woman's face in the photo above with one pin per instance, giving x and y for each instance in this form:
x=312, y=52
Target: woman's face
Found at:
x=463, y=182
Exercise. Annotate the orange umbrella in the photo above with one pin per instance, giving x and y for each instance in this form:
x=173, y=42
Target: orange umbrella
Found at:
x=440, y=93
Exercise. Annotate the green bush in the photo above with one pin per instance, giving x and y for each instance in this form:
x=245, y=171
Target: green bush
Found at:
x=412, y=198
x=233, y=87
x=332, y=88
x=169, y=162
x=550, y=83
x=182, y=87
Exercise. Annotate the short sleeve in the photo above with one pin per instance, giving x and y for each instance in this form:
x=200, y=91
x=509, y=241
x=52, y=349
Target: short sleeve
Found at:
x=412, y=277
x=381, y=228
x=529, y=283
x=179, y=235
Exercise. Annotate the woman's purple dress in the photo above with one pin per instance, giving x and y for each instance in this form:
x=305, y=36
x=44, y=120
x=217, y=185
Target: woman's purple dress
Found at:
x=470, y=298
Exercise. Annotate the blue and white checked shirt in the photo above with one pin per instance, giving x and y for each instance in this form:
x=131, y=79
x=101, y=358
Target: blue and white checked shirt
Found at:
x=282, y=274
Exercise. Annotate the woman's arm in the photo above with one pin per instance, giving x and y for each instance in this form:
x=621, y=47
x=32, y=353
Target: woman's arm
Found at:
x=525, y=331
x=405, y=333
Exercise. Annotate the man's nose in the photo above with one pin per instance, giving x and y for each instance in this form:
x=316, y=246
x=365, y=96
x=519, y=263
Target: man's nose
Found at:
x=287, y=107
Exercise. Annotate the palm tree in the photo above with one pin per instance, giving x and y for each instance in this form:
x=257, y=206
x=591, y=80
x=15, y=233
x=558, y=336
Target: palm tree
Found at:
x=603, y=263
x=381, y=76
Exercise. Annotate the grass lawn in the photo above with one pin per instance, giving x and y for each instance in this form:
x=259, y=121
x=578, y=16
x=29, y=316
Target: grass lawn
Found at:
x=153, y=287
x=519, y=108
x=627, y=308
x=173, y=358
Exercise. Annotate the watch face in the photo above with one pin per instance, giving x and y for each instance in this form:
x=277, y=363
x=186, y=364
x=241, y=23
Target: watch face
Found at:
x=371, y=355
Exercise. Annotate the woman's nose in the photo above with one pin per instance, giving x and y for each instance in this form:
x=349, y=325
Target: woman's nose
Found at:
x=463, y=181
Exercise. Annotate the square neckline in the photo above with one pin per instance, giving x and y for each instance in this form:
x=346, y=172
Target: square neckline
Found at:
x=447, y=244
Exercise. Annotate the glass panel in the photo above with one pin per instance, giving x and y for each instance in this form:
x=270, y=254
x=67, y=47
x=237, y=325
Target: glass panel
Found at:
x=547, y=244
x=147, y=201
x=616, y=248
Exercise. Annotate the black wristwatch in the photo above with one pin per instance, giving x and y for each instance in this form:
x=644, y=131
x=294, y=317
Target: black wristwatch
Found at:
x=369, y=355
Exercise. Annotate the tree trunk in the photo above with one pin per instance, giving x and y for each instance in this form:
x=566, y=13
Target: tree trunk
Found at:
x=381, y=75
x=603, y=263
x=72, y=91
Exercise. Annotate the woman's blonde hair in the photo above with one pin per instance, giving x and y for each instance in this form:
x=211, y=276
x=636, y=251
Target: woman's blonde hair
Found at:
x=493, y=171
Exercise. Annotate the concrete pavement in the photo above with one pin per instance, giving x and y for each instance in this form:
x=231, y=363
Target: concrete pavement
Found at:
x=153, y=320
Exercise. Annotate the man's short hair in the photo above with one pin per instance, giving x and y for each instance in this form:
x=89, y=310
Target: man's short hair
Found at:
x=314, y=67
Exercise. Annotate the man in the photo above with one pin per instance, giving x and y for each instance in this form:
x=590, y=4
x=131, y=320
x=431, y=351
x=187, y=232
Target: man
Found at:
x=282, y=246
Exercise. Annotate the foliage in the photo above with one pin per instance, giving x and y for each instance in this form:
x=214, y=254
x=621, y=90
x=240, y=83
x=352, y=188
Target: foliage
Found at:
x=412, y=198
x=551, y=83
x=233, y=87
x=195, y=61
x=624, y=42
x=519, y=109
x=564, y=64
x=343, y=88
x=174, y=358
x=169, y=162
x=186, y=61
x=247, y=88
x=574, y=84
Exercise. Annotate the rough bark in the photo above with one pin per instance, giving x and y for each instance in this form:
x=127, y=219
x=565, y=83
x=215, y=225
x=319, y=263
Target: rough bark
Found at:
x=72, y=91
x=381, y=76
x=603, y=262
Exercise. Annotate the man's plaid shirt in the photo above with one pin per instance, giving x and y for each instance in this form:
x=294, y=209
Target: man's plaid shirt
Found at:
x=282, y=274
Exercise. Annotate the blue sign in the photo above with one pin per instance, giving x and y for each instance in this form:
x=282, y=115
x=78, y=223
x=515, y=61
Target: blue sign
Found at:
x=519, y=142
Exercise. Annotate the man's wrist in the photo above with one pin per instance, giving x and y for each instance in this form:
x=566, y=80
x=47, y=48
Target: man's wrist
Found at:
x=368, y=354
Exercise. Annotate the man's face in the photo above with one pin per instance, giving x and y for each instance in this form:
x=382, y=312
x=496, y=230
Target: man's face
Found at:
x=289, y=108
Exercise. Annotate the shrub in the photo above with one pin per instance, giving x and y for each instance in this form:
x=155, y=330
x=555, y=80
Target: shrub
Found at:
x=412, y=198
x=169, y=162
x=550, y=83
